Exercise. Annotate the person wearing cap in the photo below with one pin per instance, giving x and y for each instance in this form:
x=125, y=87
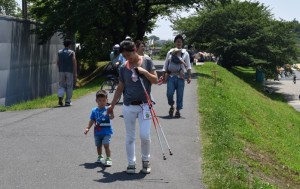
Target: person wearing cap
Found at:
x=116, y=57
x=173, y=79
x=135, y=106
x=128, y=38
x=67, y=68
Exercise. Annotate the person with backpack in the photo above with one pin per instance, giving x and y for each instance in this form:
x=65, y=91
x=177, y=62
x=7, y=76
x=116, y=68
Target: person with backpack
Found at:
x=171, y=75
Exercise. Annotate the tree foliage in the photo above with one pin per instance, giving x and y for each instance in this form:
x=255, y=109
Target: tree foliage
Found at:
x=242, y=33
x=99, y=24
x=154, y=37
x=165, y=49
x=9, y=7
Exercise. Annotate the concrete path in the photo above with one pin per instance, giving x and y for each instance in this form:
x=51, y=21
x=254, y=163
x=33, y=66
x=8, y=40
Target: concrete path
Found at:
x=46, y=148
x=287, y=87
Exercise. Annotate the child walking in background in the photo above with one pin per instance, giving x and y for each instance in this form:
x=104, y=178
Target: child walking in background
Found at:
x=103, y=127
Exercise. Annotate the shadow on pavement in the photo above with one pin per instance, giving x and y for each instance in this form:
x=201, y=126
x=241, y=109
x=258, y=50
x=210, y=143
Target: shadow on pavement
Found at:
x=289, y=97
x=91, y=165
x=123, y=176
x=118, y=176
x=169, y=117
x=195, y=75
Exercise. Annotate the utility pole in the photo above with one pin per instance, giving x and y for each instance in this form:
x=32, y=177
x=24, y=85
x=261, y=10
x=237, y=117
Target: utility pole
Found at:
x=24, y=9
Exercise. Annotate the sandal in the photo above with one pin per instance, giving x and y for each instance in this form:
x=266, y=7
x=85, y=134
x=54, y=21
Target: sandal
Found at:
x=171, y=111
x=177, y=114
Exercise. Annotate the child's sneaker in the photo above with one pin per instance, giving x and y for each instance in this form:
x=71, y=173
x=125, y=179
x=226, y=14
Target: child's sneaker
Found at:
x=146, y=167
x=130, y=169
x=100, y=159
x=108, y=162
x=160, y=80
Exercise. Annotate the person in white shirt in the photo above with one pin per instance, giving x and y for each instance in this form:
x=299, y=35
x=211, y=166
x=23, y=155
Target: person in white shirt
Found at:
x=171, y=75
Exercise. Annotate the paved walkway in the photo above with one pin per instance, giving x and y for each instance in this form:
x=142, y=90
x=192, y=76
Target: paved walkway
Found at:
x=287, y=87
x=46, y=148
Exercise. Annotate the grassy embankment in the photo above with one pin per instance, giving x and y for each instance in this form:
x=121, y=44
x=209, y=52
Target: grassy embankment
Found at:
x=249, y=139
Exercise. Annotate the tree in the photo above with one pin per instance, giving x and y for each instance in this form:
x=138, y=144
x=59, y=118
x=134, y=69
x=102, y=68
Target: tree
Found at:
x=9, y=7
x=241, y=33
x=165, y=49
x=99, y=24
x=154, y=37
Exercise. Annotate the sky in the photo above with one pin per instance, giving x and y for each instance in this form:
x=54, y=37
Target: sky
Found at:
x=281, y=9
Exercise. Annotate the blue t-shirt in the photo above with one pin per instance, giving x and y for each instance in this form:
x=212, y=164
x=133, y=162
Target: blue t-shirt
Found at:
x=102, y=122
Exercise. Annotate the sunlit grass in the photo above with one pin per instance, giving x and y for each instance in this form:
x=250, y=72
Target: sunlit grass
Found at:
x=250, y=139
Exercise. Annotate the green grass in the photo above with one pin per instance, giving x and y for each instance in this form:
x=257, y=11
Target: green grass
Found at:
x=91, y=83
x=52, y=101
x=249, y=139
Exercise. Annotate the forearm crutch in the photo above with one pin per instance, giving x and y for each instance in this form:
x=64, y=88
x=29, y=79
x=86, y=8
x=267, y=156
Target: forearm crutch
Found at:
x=154, y=118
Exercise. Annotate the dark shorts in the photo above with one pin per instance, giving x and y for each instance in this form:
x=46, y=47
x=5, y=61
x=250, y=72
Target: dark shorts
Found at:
x=102, y=139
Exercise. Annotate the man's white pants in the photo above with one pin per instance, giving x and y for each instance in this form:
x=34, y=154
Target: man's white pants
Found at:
x=130, y=114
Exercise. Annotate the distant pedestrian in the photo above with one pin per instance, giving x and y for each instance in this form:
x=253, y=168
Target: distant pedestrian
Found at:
x=135, y=106
x=174, y=82
x=103, y=127
x=191, y=53
x=115, y=56
x=67, y=68
x=140, y=48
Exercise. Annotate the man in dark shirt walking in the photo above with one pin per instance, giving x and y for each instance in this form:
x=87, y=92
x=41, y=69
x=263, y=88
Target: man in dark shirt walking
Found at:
x=67, y=68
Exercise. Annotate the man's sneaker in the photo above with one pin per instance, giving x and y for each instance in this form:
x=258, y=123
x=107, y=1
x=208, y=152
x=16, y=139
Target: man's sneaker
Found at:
x=108, y=162
x=68, y=104
x=130, y=169
x=177, y=114
x=146, y=167
x=100, y=159
x=60, y=101
x=171, y=111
